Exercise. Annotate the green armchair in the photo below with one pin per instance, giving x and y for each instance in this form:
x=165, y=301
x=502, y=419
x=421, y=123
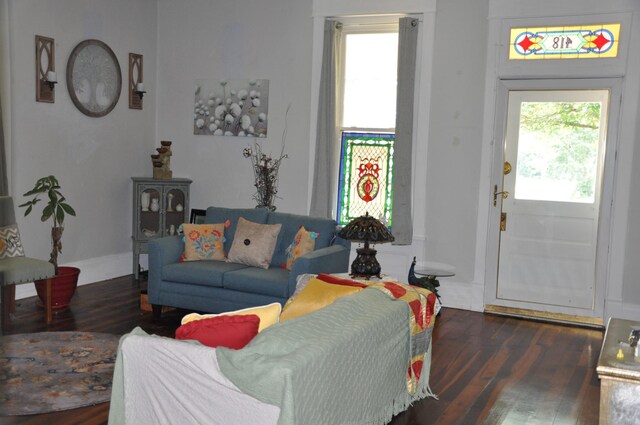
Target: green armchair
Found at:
x=19, y=269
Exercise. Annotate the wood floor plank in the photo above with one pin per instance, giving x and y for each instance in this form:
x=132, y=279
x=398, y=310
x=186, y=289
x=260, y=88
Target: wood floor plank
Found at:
x=486, y=369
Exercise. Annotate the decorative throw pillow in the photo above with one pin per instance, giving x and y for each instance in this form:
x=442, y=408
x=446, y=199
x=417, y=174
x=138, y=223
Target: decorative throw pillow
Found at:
x=226, y=331
x=203, y=242
x=303, y=242
x=253, y=244
x=316, y=295
x=10, y=243
x=268, y=314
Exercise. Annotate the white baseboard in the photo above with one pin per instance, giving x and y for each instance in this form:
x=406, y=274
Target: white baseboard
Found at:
x=91, y=271
x=456, y=294
x=621, y=310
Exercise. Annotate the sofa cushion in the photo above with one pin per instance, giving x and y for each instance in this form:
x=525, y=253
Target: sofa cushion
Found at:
x=303, y=242
x=207, y=273
x=203, y=242
x=254, y=243
x=273, y=281
x=326, y=229
x=223, y=331
x=230, y=216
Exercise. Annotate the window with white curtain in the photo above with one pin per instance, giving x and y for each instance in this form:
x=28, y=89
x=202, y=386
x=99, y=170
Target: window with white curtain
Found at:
x=365, y=100
x=366, y=104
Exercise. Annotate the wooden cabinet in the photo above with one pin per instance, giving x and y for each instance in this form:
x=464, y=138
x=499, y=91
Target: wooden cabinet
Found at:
x=159, y=208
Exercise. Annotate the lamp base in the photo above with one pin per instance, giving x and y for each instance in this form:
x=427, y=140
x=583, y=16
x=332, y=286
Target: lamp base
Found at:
x=365, y=265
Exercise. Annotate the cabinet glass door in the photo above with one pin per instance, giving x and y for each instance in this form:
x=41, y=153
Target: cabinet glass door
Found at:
x=149, y=225
x=174, y=210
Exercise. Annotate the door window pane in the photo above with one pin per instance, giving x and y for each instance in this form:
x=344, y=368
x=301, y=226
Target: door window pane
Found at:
x=558, y=151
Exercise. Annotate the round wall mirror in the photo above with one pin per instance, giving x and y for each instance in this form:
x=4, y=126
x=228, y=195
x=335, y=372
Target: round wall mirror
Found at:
x=94, y=79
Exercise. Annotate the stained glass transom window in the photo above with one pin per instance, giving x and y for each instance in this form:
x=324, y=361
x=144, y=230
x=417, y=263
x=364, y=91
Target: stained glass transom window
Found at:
x=567, y=42
x=366, y=176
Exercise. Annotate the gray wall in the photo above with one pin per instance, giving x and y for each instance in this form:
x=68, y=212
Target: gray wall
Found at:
x=455, y=135
x=93, y=158
x=631, y=286
x=236, y=40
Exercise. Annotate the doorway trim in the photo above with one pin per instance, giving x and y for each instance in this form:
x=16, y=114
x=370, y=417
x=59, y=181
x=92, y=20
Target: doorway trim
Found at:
x=503, y=87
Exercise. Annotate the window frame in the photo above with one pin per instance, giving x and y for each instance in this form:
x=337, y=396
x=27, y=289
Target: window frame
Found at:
x=358, y=27
x=369, y=25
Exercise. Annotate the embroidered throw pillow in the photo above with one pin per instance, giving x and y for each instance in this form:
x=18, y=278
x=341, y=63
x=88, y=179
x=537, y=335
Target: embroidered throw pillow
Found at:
x=223, y=331
x=303, y=242
x=203, y=242
x=253, y=244
x=10, y=243
x=269, y=315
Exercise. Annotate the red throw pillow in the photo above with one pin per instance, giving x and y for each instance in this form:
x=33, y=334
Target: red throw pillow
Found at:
x=222, y=331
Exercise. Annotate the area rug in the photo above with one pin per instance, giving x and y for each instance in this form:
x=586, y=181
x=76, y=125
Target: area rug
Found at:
x=51, y=371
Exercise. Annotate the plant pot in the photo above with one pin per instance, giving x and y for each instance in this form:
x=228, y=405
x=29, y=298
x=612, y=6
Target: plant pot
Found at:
x=63, y=286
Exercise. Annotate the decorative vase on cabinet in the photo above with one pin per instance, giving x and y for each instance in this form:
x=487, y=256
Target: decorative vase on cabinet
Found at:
x=151, y=217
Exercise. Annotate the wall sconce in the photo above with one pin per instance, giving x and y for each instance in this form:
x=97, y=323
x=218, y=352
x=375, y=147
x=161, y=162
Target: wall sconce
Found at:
x=46, y=78
x=140, y=90
x=52, y=79
x=136, y=86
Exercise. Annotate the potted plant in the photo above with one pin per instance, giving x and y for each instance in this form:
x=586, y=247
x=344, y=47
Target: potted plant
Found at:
x=56, y=208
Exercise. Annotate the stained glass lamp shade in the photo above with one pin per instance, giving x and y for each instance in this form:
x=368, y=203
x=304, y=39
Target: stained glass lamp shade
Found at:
x=366, y=229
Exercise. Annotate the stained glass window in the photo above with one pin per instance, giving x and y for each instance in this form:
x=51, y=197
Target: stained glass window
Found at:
x=565, y=42
x=366, y=176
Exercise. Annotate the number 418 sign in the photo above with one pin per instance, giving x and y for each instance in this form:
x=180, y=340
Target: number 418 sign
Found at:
x=564, y=42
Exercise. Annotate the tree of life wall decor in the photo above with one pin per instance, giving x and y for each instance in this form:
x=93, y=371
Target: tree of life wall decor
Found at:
x=231, y=108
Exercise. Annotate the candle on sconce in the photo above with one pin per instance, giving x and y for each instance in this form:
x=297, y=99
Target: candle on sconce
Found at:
x=52, y=77
x=140, y=87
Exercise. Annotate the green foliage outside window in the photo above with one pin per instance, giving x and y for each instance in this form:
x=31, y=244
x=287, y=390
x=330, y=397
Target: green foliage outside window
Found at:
x=564, y=140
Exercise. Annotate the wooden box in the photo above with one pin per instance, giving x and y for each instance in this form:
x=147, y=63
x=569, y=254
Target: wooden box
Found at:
x=145, y=306
x=619, y=373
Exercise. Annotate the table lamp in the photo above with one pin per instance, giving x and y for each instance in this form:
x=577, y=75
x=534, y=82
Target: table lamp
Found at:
x=366, y=229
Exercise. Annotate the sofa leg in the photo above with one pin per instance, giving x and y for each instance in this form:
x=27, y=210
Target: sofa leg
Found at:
x=156, y=312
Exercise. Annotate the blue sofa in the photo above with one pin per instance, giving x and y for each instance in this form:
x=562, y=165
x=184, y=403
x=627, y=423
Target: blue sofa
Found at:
x=217, y=286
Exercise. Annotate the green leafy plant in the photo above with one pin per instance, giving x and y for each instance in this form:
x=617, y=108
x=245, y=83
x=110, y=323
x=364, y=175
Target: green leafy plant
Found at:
x=56, y=209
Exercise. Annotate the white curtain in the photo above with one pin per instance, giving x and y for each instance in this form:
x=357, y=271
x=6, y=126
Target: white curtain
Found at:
x=326, y=138
x=402, y=222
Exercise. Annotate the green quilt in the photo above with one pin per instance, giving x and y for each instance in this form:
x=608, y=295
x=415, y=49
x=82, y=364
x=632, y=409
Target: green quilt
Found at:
x=344, y=364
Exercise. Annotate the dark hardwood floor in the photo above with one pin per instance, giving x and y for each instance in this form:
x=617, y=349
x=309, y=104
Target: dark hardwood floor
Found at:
x=486, y=369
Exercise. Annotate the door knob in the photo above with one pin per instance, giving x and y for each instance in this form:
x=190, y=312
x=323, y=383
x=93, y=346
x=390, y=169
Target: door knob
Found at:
x=506, y=168
x=504, y=194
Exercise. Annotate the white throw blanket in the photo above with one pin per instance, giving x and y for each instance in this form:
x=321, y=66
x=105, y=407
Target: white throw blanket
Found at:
x=162, y=381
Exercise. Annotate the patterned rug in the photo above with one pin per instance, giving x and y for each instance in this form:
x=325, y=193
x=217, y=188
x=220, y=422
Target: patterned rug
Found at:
x=52, y=371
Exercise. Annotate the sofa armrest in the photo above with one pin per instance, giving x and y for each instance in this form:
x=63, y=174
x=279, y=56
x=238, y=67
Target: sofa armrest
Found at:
x=332, y=259
x=146, y=363
x=162, y=251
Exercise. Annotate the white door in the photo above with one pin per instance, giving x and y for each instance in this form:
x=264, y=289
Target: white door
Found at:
x=549, y=201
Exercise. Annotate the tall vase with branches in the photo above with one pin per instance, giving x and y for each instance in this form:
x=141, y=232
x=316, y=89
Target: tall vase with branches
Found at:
x=265, y=171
